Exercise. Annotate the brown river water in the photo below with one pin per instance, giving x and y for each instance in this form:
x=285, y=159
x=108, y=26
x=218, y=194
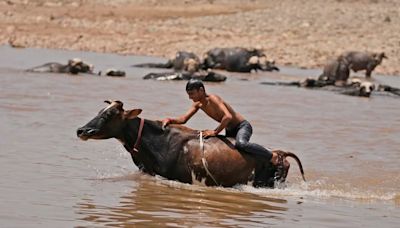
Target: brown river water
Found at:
x=349, y=146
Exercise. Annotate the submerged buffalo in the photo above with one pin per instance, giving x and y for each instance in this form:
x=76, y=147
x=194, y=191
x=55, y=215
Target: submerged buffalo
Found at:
x=178, y=153
x=363, y=61
x=360, y=88
x=355, y=87
x=113, y=73
x=182, y=61
x=207, y=76
x=237, y=60
x=74, y=66
x=389, y=89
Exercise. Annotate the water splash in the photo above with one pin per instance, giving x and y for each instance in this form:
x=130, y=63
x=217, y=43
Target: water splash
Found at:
x=322, y=190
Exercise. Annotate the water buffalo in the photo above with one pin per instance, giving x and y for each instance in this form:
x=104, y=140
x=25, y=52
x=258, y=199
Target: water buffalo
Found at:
x=365, y=88
x=355, y=87
x=113, y=73
x=207, y=76
x=363, y=61
x=237, y=60
x=389, y=89
x=335, y=71
x=182, y=61
x=178, y=153
x=74, y=66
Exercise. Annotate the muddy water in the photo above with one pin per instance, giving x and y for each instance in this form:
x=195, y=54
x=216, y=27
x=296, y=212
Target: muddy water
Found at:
x=350, y=148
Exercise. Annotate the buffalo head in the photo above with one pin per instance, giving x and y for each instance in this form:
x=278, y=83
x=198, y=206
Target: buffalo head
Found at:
x=108, y=123
x=362, y=88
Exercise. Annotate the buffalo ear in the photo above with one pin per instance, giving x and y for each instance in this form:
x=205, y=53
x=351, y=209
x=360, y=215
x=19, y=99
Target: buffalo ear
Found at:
x=107, y=101
x=131, y=114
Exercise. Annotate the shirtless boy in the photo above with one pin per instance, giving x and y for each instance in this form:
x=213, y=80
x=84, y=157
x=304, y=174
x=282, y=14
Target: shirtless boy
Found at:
x=233, y=122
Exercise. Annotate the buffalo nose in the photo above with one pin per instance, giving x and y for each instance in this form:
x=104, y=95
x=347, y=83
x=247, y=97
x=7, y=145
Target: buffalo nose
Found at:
x=365, y=94
x=79, y=132
x=85, y=131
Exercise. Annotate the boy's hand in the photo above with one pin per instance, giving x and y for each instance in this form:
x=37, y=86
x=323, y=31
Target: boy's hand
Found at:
x=165, y=122
x=208, y=133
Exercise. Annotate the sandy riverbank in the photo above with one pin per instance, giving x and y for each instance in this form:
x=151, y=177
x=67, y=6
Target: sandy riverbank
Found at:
x=301, y=33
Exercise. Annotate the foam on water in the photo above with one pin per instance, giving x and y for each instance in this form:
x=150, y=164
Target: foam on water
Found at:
x=324, y=191
x=312, y=189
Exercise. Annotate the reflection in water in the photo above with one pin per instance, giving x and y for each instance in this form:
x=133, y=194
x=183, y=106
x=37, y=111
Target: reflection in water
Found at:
x=157, y=202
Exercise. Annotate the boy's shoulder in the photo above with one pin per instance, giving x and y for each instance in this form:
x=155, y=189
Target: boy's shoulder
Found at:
x=214, y=97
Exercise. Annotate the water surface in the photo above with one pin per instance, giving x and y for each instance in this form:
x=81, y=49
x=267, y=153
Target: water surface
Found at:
x=349, y=146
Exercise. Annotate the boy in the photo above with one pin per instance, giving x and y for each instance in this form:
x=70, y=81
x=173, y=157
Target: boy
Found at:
x=233, y=122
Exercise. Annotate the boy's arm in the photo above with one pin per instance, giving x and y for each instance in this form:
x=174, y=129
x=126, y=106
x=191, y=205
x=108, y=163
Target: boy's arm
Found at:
x=224, y=121
x=182, y=119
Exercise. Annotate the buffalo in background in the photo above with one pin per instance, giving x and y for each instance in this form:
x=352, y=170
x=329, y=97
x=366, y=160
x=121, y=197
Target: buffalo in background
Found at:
x=338, y=70
x=182, y=61
x=353, y=87
x=74, y=66
x=186, y=66
x=207, y=76
x=238, y=60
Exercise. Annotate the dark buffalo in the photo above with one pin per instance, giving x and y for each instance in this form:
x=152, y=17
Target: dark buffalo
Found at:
x=389, y=89
x=113, y=73
x=358, y=87
x=365, y=87
x=335, y=71
x=182, y=61
x=207, y=76
x=177, y=153
x=306, y=83
x=237, y=60
x=355, y=87
x=363, y=61
x=74, y=66
x=338, y=69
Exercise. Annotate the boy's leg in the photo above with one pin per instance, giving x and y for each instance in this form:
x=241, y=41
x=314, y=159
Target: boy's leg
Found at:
x=242, y=142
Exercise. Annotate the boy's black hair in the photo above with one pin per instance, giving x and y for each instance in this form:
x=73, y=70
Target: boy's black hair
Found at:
x=194, y=84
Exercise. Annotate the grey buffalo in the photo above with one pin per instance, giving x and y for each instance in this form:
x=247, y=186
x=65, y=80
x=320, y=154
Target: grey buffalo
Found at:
x=363, y=61
x=182, y=61
x=237, y=60
x=338, y=70
x=335, y=71
x=389, y=89
x=113, y=73
x=74, y=66
x=355, y=87
x=208, y=76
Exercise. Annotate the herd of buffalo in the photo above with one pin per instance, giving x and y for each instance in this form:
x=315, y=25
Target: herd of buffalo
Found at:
x=187, y=65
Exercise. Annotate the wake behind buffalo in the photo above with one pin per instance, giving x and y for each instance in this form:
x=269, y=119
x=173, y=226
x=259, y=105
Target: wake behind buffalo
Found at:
x=178, y=153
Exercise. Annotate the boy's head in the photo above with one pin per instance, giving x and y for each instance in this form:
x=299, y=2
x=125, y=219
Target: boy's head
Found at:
x=195, y=89
x=194, y=84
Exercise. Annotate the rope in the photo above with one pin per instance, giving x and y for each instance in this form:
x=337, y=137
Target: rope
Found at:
x=203, y=159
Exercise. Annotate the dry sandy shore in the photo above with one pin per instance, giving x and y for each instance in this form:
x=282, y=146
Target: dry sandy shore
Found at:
x=302, y=33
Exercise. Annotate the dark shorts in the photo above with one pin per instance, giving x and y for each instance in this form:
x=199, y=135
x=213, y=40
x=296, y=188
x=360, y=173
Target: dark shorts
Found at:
x=242, y=133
